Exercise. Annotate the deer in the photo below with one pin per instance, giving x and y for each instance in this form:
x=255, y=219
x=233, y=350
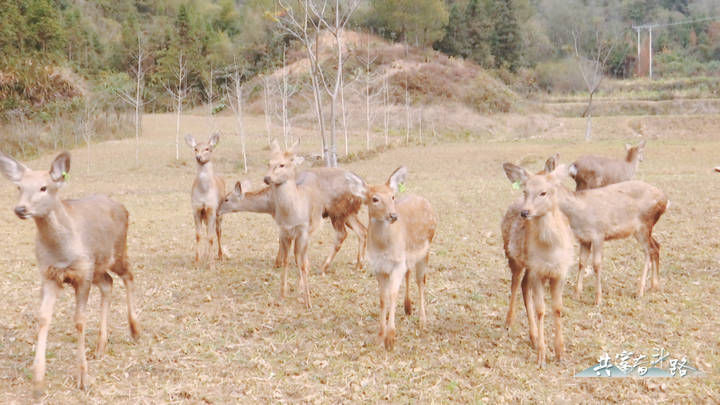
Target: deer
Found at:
x=538, y=244
x=399, y=237
x=298, y=212
x=78, y=242
x=339, y=205
x=208, y=191
x=597, y=171
x=616, y=211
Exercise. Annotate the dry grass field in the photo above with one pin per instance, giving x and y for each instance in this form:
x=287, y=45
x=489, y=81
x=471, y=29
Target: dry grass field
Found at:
x=222, y=336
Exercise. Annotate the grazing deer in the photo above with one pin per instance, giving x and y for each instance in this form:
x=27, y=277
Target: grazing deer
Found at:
x=617, y=211
x=78, y=242
x=538, y=245
x=597, y=171
x=208, y=191
x=399, y=237
x=340, y=206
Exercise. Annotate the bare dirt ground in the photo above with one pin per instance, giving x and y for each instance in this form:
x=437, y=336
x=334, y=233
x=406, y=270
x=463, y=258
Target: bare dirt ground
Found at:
x=220, y=336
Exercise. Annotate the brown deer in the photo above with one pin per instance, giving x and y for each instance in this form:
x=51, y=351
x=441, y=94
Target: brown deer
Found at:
x=208, y=191
x=78, y=242
x=616, y=211
x=597, y=171
x=538, y=244
x=399, y=237
x=340, y=206
x=298, y=212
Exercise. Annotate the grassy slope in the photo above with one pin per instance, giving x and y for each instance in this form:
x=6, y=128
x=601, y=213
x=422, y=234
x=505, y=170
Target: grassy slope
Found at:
x=221, y=335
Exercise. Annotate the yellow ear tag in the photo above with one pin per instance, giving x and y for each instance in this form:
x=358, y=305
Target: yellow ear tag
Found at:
x=401, y=188
x=516, y=185
x=65, y=175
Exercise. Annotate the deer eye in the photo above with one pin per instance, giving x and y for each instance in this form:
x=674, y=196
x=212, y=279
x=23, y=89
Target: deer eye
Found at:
x=282, y=166
x=375, y=200
x=543, y=194
x=393, y=198
x=43, y=188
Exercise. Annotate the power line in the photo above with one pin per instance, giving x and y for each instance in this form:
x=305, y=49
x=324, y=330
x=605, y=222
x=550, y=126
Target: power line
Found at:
x=654, y=25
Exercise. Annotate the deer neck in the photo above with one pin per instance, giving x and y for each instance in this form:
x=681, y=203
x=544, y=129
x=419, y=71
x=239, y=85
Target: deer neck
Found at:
x=287, y=198
x=56, y=230
x=205, y=176
x=550, y=228
x=383, y=235
x=260, y=202
x=573, y=205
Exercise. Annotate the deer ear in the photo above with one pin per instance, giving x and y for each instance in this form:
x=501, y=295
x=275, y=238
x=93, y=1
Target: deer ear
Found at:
x=560, y=174
x=356, y=184
x=641, y=144
x=516, y=174
x=551, y=163
x=240, y=188
x=11, y=168
x=60, y=167
x=275, y=147
x=627, y=146
x=214, y=139
x=294, y=145
x=397, y=178
x=297, y=160
x=190, y=140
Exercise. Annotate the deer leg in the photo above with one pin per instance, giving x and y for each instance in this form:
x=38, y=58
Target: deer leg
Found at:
x=82, y=292
x=49, y=293
x=539, y=298
x=517, y=275
x=340, y=235
x=128, y=280
x=655, y=259
x=395, y=280
x=556, y=290
x=421, y=279
x=361, y=231
x=197, y=216
x=644, y=239
x=105, y=283
x=301, y=246
x=211, y=218
x=284, y=249
x=582, y=263
x=383, y=288
x=597, y=266
x=218, y=233
x=529, y=309
x=408, y=303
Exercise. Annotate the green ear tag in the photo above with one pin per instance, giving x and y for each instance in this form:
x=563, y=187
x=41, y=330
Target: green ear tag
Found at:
x=65, y=175
x=516, y=185
x=401, y=187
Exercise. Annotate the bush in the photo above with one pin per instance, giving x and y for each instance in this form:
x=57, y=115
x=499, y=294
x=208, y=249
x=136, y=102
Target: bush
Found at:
x=561, y=76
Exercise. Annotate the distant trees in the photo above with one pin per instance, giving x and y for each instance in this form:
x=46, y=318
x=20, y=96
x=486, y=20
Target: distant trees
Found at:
x=419, y=22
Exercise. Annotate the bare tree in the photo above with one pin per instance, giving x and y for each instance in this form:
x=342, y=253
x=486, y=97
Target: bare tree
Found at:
x=178, y=93
x=305, y=25
x=136, y=100
x=85, y=126
x=591, y=60
x=211, y=97
x=368, y=79
x=234, y=92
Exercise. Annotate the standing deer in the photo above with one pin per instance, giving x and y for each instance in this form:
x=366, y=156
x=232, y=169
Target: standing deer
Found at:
x=597, y=171
x=617, y=211
x=340, y=206
x=78, y=242
x=298, y=212
x=538, y=245
x=399, y=237
x=208, y=191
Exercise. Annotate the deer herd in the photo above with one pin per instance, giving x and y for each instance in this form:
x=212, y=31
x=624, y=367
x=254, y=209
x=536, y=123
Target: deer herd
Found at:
x=80, y=242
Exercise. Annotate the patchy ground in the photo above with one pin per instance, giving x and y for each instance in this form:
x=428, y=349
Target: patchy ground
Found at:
x=221, y=336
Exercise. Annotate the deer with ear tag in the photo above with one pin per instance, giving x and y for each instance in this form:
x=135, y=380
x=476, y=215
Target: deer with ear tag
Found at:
x=78, y=242
x=399, y=237
x=208, y=191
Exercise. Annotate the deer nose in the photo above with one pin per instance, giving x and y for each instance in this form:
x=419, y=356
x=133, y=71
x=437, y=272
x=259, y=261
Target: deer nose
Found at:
x=524, y=213
x=21, y=212
x=267, y=180
x=393, y=217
